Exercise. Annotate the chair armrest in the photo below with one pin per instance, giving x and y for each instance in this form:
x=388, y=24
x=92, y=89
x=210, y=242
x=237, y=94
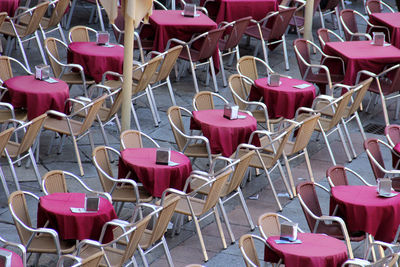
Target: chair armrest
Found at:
x=56, y=113
x=175, y=40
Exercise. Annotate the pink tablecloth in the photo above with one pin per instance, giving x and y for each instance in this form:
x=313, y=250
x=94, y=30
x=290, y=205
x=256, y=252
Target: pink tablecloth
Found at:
x=9, y=6
x=55, y=208
x=224, y=134
x=362, y=55
x=363, y=210
x=315, y=250
x=96, y=59
x=35, y=95
x=390, y=20
x=283, y=100
x=155, y=177
x=16, y=260
x=169, y=24
x=231, y=10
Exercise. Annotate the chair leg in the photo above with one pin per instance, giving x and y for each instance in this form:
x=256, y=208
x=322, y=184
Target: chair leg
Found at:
x=135, y=117
x=284, y=52
x=23, y=53
x=39, y=43
x=221, y=62
x=171, y=92
x=219, y=225
x=284, y=180
x=4, y=183
x=167, y=252
x=396, y=115
x=329, y=147
x=360, y=126
x=103, y=133
x=143, y=256
x=14, y=174
x=347, y=134
x=199, y=234
x=35, y=167
x=61, y=33
x=196, y=86
x=341, y=33
x=245, y=208
x=289, y=172
x=227, y=224
x=211, y=62
x=273, y=190
x=78, y=157
x=310, y=172
x=71, y=11
x=152, y=105
x=321, y=16
x=346, y=150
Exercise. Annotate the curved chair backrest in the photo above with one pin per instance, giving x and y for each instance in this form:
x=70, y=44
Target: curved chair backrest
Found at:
x=169, y=60
x=337, y=174
x=51, y=47
x=392, y=133
x=116, y=97
x=235, y=32
x=372, y=146
x=325, y=35
x=280, y=23
x=102, y=163
x=210, y=43
x=134, y=139
x=175, y=119
x=302, y=55
x=331, y=4
x=304, y=133
x=247, y=247
x=247, y=66
x=4, y=138
x=349, y=22
x=359, y=93
x=239, y=172
x=92, y=110
x=216, y=189
x=36, y=17
x=147, y=74
x=373, y=6
x=340, y=108
x=6, y=69
x=80, y=34
x=309, y=196
x=54, y=182
x=58, y=13
x=269, y=223
x=205, y=100
x=283, y=141
x=395, y=80
x=32, y=130
x=237, y=85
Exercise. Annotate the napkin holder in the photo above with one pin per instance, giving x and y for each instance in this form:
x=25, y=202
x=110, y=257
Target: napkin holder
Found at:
x=92, y=202
x=5, y=258
x=289, y=231
x=42, y=72
x=384, y=186
x=274, y=80
x=189, y=10
x=163, y=156
x=379, y=38
x=102, y=38
x=231, y=111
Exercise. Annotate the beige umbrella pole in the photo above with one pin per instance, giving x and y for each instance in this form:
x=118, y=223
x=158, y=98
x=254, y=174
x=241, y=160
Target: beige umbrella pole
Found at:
x=127, y=73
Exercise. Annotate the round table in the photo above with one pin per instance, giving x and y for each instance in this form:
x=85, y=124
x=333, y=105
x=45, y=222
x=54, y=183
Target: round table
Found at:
x=35, y=95
x=315, y=250
x=363, y=210
x=154, y=177
x=56, y=208
x=224, y=135
x=96, y=59
x=16, y=260
x=9, y=6
x=283, y=100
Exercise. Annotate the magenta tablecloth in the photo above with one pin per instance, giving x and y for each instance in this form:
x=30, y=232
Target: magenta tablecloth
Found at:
x=224, y=134
x=16, y=260
x=55, y=208
x=315, y=250
x=155, y=177
x=362, y=55
x=283, y=100
x=35, y=95
x=9, y=6
x=390, y=20
x=169, y=24
x=231, y=10
x=96, y=59
x=363, y=210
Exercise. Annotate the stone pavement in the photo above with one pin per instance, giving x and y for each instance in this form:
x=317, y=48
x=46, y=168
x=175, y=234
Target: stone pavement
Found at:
x=185, y=248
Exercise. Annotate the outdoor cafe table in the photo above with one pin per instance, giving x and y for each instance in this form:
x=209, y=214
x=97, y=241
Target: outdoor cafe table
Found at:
x=283, y=100
x=362, y=55
x=390, y=20
x=364, y=210
x=16, y=260
x=35, y=95
x=56, y=209
x=96, y=59
x=315, y=250
x=224, y=134
x=9, y=6
x=154, y=177
x=167, y=24
x=231, y=10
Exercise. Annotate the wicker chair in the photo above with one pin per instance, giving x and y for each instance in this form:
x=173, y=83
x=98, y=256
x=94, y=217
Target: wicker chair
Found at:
x=4, y=138
x=81, y=34
x=248, y=249
x=205, y=100
x=337, y=175
x=377, y=6
x=325, y=35
x=134, y=139
x=91, y=261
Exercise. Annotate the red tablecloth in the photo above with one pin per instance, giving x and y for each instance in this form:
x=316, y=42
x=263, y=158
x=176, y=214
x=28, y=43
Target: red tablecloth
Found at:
x=315, y=250
x=155, y=177
x=35, y=95
x=231, y=10
x=224, y=134
x=16, y=260
x=363, y=210
x=283, y=100
x=169, y=24
x=390, y=20
x=362, y=55
x=55, y=208
x=96, y=59
x=9, y=6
